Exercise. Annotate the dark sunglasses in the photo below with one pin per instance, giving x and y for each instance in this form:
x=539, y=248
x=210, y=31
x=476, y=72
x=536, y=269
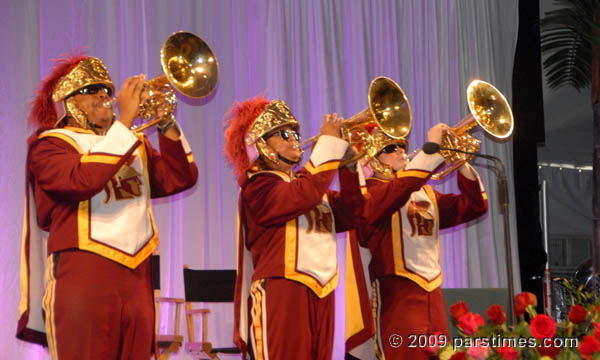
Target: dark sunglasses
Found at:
x=93, y=89
x=285, y=134
x=392, y=148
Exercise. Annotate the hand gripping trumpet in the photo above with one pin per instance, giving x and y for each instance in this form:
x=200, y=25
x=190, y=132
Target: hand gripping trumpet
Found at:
x=490, y=110
x=388, y=109
x=190, y=66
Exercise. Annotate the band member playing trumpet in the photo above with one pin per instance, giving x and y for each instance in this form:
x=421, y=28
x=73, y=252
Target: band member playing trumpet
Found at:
x=404, y=217
x=287, y=264
x=89, y=183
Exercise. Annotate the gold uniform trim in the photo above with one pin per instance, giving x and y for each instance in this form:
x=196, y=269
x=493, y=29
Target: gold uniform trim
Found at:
x=279, y=173
x=48, y=305
x=399, y=266
x=190, y=158
x=24, y=273
x=85, y=243
x=103, y=159
x=257, y=325
x=85, y=158
x=80, y=130
x=412, y=173
x=375, y=313
x=83, y=221
x=291, y=242
x=332, y=165
x=63, y=137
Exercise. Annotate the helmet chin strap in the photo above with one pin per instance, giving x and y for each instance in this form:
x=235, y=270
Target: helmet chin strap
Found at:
x=99, y=130
x=75, y=112
x=288, y=161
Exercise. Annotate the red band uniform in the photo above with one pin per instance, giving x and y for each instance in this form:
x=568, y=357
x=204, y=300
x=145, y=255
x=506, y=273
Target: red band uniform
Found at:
x=287, y=262
x=88, y=199
x=404, y=217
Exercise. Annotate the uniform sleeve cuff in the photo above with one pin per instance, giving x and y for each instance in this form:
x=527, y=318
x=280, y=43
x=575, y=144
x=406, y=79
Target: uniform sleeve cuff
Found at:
x=328, y=148
x=425, y=162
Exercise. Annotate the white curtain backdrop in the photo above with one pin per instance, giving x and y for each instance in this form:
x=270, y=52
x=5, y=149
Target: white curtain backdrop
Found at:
x=318, y=56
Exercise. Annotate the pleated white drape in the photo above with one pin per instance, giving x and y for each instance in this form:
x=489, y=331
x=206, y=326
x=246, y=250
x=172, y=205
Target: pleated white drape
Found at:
x=318, y=56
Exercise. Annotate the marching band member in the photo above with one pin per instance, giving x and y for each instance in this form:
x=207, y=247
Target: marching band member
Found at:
x=89, y=183
x=403, y=219
x=287, y=264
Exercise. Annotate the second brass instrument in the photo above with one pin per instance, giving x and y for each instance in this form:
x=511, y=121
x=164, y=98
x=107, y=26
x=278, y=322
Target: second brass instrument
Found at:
x=388, y=109
x=488, y=109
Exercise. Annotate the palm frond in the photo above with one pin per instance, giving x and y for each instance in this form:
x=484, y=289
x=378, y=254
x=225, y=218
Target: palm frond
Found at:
x=567, y=35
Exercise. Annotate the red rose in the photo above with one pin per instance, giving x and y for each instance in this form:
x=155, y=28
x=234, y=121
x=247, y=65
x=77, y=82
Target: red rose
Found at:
x=550, y=351
x=597, y=330
x=523, y=300
x=596, y=309
x=496, y=314
x=577, y=314
x=469, y=323
x=459, y=356
x=432, y=349
x=508, y=353
x=542, y=326
x=459, y=309
x=589, y=345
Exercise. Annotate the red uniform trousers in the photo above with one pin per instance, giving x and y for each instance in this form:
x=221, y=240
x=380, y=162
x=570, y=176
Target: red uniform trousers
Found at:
x=299, y=325
x=405, y=309
x=98, y=309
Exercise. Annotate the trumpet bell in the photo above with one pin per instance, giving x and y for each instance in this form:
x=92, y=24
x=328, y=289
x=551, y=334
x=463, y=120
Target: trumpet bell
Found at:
x=389, y=110
x=490, y=109
x=189, y=64
x=389, y=107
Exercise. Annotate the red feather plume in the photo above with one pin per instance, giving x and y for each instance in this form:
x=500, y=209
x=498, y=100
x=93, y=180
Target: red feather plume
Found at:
x=238, y=121
x=43, y=114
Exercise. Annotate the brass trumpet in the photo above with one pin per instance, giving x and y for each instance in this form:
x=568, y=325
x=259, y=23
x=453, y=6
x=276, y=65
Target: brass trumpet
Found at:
x=388, y=109
x=190, y=66
x=490, y=110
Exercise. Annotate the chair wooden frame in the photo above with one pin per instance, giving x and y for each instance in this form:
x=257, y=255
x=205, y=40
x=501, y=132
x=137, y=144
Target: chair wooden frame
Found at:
x=202, y=349
x=168, y=343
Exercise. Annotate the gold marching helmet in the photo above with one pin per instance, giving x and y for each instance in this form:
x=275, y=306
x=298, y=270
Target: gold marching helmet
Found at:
x=275, y=115
x=379, y=141
x=87, y=72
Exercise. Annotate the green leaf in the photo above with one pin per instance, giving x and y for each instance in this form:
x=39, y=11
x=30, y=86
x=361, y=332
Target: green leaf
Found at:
x=566, y=41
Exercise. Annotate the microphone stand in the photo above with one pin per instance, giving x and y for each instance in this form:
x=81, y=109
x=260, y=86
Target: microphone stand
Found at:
x=502, y=183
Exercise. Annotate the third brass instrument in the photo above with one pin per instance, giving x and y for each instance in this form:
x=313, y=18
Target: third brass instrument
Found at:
x=490, y=110
x=388, y=109
x=190, y=66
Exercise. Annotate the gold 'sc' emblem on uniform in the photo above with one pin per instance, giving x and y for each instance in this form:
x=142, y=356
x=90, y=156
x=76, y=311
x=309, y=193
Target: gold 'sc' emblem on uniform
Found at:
x=419, y=217
x=319, y=219
x=126, y=184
